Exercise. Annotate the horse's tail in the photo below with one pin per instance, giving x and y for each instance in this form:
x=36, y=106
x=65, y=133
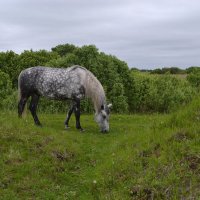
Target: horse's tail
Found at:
x=20, y=106
x=19, y=89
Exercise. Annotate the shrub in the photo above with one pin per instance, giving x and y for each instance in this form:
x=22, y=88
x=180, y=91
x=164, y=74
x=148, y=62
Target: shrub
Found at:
x=118, y=99
x=160, y=93
x=194, y=79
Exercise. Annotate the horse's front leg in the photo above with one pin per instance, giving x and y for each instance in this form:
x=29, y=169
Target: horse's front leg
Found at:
x=77, y=115
x=69, y=115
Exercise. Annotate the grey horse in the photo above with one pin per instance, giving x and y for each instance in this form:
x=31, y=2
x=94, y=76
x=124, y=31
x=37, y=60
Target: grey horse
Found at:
x=74, y=83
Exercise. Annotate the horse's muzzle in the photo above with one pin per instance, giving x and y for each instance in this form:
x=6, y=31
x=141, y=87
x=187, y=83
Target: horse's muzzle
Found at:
x=104, y=131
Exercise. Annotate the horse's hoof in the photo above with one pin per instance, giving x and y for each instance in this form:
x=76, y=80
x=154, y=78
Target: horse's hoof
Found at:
x=82, y=130
x=67, y=127
x=104, y=132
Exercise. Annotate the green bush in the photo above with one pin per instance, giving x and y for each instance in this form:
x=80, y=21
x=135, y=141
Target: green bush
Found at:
x=194, y=79
x=160, y=93
x=118, y=98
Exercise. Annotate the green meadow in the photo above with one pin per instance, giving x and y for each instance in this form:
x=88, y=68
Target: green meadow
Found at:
x=154, y=156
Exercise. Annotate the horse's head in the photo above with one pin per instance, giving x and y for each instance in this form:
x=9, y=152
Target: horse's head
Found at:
x=102, y=118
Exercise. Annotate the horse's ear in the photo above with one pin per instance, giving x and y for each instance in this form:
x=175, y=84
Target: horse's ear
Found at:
x=102, y=107
x=110, y=105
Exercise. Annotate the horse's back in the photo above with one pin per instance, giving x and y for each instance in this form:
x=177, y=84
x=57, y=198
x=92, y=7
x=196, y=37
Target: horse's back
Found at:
x=56, y=83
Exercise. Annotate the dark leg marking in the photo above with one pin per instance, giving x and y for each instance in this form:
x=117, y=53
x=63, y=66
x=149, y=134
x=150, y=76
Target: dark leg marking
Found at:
x=77, y=114
x=21, y=105
x=69, y=115
x=33, y=108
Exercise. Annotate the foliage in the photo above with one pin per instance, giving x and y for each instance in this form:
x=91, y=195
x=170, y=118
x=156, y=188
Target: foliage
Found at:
x=64, y=62
x=9, y=63
x=118, y=99
x=160, y=93
x=192, y=69
x=64, y=49
x=5, y=87
x=129, y=90
x=10, y=101
x=194, y=78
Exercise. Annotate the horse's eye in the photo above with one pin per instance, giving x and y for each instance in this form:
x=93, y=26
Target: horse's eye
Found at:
x=104, y=116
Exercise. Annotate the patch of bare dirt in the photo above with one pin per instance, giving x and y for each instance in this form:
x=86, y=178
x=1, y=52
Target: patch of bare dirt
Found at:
x=155, y=150
x=40, y=145
x=143, y=193
x=63, y=155
x=193, y=162
x=14, y=161
x=181, y=136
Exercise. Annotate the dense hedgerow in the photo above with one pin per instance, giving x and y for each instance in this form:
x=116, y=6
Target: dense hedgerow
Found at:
x=128, y=90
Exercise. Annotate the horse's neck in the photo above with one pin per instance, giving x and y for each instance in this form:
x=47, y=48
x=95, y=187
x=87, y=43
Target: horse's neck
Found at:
x=98, y=98
x=98, y=102
x=95, y=92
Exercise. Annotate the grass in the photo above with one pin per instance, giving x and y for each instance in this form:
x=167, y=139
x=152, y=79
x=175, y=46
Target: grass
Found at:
x=143, y=157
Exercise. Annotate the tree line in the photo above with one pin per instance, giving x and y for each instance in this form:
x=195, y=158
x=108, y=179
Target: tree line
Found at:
x=169, y=70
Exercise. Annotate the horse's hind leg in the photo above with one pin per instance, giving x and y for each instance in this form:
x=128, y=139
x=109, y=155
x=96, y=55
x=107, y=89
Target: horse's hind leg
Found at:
x=33, y=108
x=21, y=105
x=69, y=115
x=77, y=114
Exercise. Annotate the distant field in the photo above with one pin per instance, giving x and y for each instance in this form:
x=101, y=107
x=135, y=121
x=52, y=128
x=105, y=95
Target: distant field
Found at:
x=180, y=75
x=183, y=76
x=173, y=75
x=143, y=157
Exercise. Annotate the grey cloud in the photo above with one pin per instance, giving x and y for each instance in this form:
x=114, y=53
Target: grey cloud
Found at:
x=145, y=33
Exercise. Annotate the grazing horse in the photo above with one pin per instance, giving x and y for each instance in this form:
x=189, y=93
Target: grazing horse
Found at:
x=73, y=83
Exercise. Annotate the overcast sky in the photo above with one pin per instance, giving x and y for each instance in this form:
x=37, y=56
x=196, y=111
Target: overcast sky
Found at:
x=144, y=33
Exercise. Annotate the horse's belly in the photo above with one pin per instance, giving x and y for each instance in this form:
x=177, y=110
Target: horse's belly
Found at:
x=60, y=86
x=62, y=93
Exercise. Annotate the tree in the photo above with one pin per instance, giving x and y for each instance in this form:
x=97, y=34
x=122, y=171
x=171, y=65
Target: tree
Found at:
x=9, y=63
x=192, y=69
x=64, y=49
x=65, y=61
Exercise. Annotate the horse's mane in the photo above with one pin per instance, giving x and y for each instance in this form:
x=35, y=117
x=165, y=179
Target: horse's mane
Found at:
x=94, y=90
